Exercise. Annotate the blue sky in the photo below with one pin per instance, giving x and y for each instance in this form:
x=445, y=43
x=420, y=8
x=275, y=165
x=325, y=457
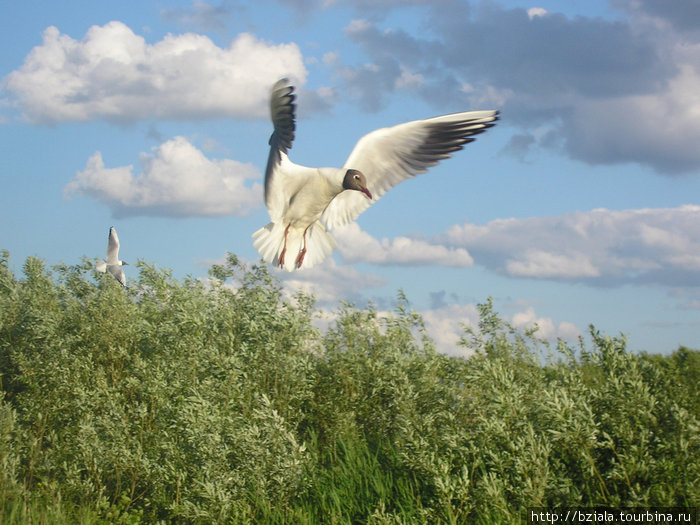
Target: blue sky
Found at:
x=582, y=206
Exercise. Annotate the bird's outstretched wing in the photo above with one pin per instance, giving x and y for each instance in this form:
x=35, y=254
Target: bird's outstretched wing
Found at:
x=113, y=247
x=389, y=156
x=282, y=110
x=118, y=273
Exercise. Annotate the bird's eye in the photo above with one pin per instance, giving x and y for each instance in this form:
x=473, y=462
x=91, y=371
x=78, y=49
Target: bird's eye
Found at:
x=357, y=177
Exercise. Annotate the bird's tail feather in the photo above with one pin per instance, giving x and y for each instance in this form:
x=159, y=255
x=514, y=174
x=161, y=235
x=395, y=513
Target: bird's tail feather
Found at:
x=101, y=266
x=269, y=241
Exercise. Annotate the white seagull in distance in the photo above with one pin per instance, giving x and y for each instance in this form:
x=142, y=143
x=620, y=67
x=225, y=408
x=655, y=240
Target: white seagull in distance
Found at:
x=113, y=264
x=305, y=202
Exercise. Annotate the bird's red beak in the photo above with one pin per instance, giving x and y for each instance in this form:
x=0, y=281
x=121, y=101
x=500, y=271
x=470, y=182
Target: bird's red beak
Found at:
x=367, y=192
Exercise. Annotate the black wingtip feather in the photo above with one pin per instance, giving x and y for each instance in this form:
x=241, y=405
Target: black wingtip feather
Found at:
x=282, y=109
x=446, y=138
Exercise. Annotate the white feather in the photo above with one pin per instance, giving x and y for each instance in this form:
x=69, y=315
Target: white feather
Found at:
x=270, y=243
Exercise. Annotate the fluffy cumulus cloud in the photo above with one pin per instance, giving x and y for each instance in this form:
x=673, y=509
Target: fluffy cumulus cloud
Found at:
x=605, y=247
x=608, y=90
x=658, y=129
x=176, y=180
x=115, y=74
x=329, y=282
x=356, y=245
x=546, y=327
x=445, y=326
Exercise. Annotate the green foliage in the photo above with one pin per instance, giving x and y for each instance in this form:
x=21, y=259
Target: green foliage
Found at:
x=218, y=401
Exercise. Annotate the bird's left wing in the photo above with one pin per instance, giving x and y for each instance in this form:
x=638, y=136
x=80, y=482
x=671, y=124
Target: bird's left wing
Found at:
x=118, y=273
x=113, y=247
x=389, y=156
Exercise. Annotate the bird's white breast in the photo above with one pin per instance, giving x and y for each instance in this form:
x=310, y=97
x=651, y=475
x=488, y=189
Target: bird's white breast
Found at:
x=307, y=204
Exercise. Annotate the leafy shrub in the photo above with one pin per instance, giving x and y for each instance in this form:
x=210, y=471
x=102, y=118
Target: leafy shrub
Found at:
x=219, y=402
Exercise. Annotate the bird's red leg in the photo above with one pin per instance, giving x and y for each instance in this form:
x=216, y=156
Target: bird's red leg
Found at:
x=280, y=259
x=300, y=257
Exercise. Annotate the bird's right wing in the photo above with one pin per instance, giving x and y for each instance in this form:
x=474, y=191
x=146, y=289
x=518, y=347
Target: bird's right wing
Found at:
x=389, y=156
x=113, y=247
x=282, y=109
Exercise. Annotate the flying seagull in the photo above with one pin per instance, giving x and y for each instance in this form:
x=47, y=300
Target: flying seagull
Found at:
x=304, y=203
x=113, y=265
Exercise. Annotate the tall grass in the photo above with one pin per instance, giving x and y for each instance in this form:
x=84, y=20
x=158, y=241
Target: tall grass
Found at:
x=189, y=402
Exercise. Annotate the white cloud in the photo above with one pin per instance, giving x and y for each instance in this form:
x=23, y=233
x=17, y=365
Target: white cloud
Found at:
x=177, y=180
x=445, y=326
x=535, y=263
x=546, y=328
x=356, y=245
x=534, y=12
x=329, y=282
x=409, y=80
x=113, y=73
x=601, y=246
x=331, y=58
x=661, y=129
x=358, y=26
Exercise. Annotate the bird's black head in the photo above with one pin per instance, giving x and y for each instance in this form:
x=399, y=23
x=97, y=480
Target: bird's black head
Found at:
x=355, y=180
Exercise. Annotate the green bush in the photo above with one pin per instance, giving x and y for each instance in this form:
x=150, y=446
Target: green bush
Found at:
x=218, y=401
